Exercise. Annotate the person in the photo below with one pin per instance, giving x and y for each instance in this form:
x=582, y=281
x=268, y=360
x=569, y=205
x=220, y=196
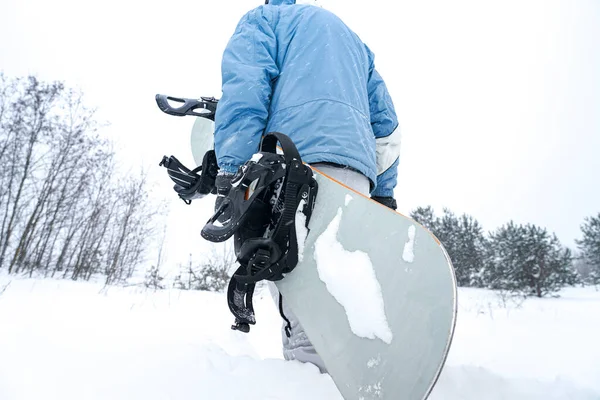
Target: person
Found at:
x=299, y=70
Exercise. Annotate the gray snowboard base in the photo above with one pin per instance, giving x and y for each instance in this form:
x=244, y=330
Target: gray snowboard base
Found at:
x=418, y=287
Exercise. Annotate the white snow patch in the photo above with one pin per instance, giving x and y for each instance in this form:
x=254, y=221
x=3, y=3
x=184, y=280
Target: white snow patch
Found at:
x=470, y=382
x=301, y=231
x=348, y=199
x=351, y=280
x=373, y=362
x=372, y=391
x=136, y=344
x=408, y=254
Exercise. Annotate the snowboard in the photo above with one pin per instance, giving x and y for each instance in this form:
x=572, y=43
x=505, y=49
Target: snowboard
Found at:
x=202, y=138
x=373, y=289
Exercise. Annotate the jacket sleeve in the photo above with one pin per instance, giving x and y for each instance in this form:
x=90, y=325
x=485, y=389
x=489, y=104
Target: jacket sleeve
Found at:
x=248, y=69
x=384, y=123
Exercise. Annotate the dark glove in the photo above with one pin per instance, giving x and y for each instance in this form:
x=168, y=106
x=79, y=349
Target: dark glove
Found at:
x=389, y=202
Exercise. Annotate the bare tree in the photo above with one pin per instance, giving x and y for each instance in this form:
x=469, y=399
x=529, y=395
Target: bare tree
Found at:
x=65, y=207
x=25, y=124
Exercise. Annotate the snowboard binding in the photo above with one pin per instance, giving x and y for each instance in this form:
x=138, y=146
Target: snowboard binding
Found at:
x=192, y=184
x=267, y=193
x=259, y=212
x=200, y=181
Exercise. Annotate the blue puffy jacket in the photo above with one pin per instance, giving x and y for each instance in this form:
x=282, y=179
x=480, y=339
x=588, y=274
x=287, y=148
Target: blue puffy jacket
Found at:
x=299, y=70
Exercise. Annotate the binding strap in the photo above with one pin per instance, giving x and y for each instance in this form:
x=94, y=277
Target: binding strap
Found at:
x=288, y=324
x=268, y=254
x=239, y=300
x=206, y=107
x=271, y=257
x=195, y=183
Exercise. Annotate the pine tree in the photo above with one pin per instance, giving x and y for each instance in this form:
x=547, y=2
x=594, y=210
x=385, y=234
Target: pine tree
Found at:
x=426, y=217
x=462, y=238
x=528, y=260
x=590, y=247
x=470, y=250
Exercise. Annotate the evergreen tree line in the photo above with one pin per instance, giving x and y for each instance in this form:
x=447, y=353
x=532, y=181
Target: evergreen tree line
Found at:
x=521, y=259
x=64, y=212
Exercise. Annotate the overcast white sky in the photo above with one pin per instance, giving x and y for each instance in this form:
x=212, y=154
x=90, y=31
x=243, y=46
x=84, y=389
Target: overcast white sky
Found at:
x=499, y=102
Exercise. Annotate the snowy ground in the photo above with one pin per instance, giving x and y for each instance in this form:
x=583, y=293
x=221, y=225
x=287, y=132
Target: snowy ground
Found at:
x=71, y=340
